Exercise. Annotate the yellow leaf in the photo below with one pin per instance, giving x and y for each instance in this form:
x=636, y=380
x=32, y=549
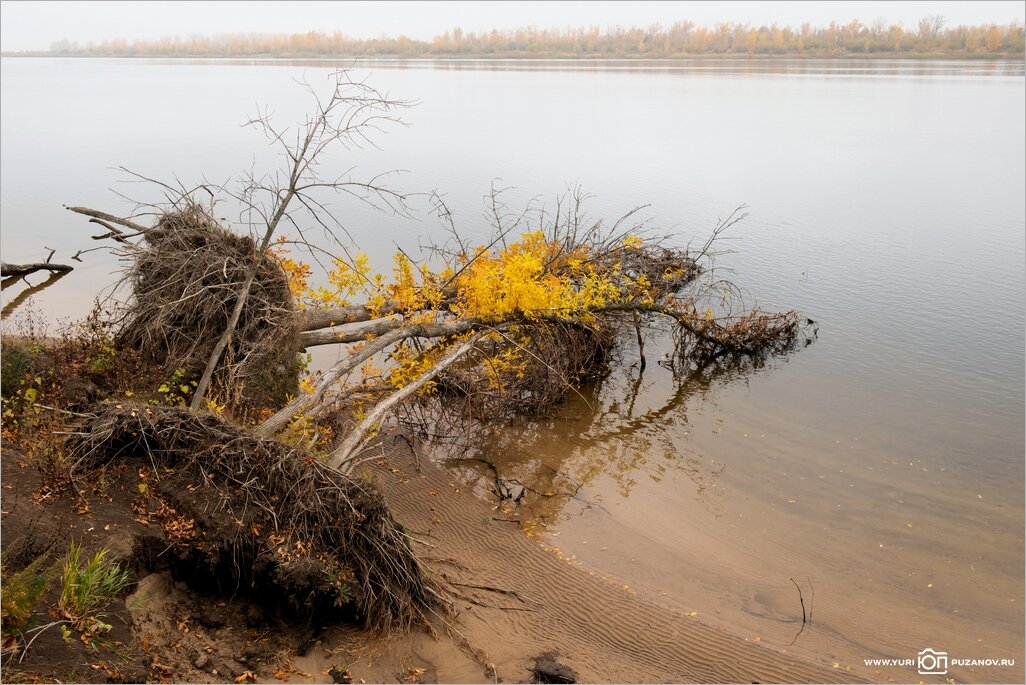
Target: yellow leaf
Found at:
x=414, y=674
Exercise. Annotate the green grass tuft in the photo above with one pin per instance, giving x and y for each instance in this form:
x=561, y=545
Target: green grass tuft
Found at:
x=88, y=583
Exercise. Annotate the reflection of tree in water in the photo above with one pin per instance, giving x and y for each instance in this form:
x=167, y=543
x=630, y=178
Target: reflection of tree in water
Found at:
x=29, y=291
x=622, y=426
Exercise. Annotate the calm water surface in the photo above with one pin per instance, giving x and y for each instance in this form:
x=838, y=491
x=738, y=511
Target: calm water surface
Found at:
x=881, y=468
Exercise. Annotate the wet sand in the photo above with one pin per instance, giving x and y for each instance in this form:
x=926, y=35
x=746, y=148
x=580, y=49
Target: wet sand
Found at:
x=518, y=599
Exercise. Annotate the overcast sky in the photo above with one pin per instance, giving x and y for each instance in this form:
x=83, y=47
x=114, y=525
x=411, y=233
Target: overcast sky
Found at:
x=35, y=25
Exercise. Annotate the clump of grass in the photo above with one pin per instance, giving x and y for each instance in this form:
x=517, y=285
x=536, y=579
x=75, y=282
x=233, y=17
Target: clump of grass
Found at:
x=21, y=592
x=15, y=360
x=89, y=583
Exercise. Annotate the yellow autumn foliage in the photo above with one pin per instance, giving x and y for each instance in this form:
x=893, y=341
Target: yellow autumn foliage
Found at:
x=530, y=278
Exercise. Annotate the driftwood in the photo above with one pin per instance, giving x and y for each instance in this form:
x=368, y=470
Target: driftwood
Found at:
x=7, y=270
x=14, y=273
x=19, y=270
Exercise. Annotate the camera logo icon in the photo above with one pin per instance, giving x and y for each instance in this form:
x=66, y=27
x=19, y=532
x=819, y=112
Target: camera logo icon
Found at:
x=932, y=662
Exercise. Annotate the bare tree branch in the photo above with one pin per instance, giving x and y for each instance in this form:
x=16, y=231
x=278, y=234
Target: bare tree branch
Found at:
x=355, y=359
x=342, y=458
x=110, y=218
x=350, y=113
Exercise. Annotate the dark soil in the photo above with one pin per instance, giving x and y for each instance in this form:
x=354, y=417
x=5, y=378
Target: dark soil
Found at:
x=216, y=597
x=248, y=515
x=173, y=626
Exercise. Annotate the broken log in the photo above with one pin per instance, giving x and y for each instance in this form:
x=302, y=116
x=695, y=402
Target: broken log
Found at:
x=26, y=269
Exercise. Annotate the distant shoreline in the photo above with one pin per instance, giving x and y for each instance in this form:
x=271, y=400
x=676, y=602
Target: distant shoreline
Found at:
x=741, y=57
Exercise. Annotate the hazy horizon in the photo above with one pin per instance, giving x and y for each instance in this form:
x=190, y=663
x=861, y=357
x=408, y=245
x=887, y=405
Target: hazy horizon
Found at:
x=31, y=26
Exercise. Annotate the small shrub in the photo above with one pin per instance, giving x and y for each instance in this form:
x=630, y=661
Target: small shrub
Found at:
x=21, y=592
x=176, y=392
x=89, y=583
x=15, y=362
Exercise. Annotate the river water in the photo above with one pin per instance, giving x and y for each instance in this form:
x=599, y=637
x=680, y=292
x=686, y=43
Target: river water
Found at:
x=879, y=470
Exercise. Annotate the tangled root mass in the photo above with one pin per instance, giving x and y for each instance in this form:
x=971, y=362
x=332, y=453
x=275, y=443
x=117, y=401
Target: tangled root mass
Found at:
x=265, y=513
x=185, y=278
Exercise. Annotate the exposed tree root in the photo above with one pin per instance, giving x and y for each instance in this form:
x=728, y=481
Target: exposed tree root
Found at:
x=261, y=512
x=185, y=278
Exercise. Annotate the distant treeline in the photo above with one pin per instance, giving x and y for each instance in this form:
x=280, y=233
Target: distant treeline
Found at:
x=930, y=37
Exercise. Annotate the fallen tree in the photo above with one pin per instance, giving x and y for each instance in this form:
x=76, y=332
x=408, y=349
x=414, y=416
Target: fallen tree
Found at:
x=485, y=330
x=508, y=327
